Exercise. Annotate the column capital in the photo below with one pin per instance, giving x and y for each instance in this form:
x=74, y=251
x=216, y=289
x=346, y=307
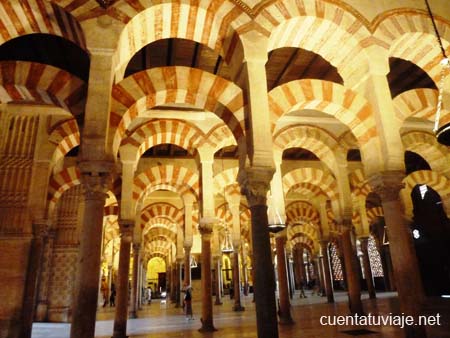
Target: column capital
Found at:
x=255, y=183
x=126, y=228
x=387, y=184
x=41, y=228
x=206, y=226
x=95, y=178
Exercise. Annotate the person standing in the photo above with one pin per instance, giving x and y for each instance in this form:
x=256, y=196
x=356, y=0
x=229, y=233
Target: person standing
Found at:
x=188, y=303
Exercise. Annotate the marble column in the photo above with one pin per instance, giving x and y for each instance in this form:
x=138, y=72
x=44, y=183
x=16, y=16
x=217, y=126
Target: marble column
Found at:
x=255, y=187
x=121, y=314
x=187, y=264
x=217, y=276
x=244, y=269
x=40, y=230
x=318, y=271
x=367, y=268
x=403, y=254
x=135, y=288
x=351, y=269
x=284, y=312
x=88, y=272
x=206, y=229
x=173, y=285
x=236, y=278
x=328, y=281
x=178, y=286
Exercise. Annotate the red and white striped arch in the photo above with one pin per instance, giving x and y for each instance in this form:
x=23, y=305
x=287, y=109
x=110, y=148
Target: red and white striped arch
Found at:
x=306, y=189
x=23, y=17
x=374, y=213
x=158, y=86
x=160, y=231
x=426, y=145
x=66, y=136
x=223, y=213
x=323, y=28
x=60, y=182
x=111, y=210
x=410, y=36
x=436, y=181
x=161, y=209
x=350, y=108
x=323, y=180
x=301, y=211
x=212, y=23
x=43, y=84
x=306, y=229
x=358, y=183
x=181, y=179
x=224, y=179
x=314, y=139
x=154, y=132
x=302, y=239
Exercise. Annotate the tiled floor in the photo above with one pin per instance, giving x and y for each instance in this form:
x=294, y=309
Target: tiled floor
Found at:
x=159, y=320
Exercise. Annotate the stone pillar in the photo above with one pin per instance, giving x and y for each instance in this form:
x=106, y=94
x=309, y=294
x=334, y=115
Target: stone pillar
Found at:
x=217, y=277
x=205, y=228
x=367, y=268
x=404, y=260
x=244, y=269
x=187, y=264
x=236, y=278
x=340, y=253
x=178, y=286
x=327, y=279
x=351, y=269
x=255, y=186
x=134, y=290
x=173, y=285
x=284, y=312
x=121, y=315
x=319, y=266
x=40, y=228
x=88, y=272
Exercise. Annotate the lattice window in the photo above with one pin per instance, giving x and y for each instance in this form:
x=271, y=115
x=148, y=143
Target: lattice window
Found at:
x=336, y=266
x=375, y=260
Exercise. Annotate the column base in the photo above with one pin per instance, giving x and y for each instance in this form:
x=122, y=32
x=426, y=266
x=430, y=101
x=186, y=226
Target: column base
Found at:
x=133, y=315
x=372, y=296
x=330, y=299
x=218, y=302
x=286, y=321
x=238, y=308
x=206, y=327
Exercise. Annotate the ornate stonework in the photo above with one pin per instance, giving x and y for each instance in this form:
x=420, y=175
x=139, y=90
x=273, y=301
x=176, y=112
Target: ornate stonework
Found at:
x=255, y=183
x=387, y=184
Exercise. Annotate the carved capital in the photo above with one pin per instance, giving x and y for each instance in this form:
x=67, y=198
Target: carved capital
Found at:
x=255, y=183
x=41, y=228
x=206, y=227
x=387, y=184
x=136, y=248
x=126, y=230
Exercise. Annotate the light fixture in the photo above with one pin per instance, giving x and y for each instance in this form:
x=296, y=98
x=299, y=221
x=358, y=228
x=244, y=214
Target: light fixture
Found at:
x=193, y=262
x=416, y=234
x=227, y=246
x=276, y=223
x=442, y=132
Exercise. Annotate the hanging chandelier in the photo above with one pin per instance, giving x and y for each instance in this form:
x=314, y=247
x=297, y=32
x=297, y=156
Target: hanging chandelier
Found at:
x=227, y=246
x=276, y=223
x=442, y=132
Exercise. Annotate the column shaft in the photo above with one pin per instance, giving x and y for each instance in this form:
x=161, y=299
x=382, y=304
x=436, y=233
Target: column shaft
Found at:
x=121, y=314
x=367, y=268
x=264, y=279
x=88, y=273
x=207, y=308
x=236, y=281
x=32, y=279
x=134, y=290
x=283, y=291
x=328, y=281
x=353, y=282
x=187, y=265
x=218, y=270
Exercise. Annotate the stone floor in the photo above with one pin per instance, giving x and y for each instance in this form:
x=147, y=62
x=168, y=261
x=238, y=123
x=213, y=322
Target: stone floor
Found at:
x=164, y=320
